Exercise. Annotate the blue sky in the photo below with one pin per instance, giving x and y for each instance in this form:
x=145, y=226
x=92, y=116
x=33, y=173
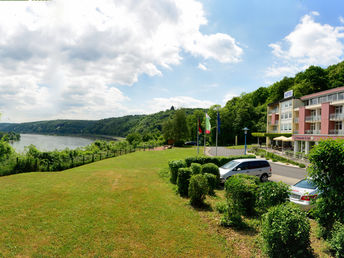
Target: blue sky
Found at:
x=111, y=58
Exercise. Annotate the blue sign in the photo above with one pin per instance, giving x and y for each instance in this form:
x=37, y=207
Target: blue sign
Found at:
x=288, y=94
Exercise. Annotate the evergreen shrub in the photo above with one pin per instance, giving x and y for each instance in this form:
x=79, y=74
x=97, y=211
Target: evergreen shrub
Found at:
x=219, y=160
x=183, y=180
x=337, y=240
x=198, y=189
x=242, y=190
x=211, y=168
x=272, y=194
x=286, y=232
x=212, y=182
x=196, y=168
x=232, y=216
x=174, y=165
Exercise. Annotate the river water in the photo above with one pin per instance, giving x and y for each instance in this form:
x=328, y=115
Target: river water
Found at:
x=50, y=142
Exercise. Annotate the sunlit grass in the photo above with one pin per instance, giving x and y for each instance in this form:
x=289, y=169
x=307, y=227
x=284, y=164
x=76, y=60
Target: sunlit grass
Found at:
x=115, y=207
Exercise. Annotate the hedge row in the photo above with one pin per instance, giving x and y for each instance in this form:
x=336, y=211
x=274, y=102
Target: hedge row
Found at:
x=219, y=160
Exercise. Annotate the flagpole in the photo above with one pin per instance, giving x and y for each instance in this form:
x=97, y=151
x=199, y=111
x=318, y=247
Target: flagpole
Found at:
x=217, y=124
x=205, y=133
x=197, y=136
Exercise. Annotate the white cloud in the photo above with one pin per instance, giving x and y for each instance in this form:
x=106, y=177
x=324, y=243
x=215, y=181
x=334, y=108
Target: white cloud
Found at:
x=341, y=19
x=311, y=43
x=202, y=67
x=159, y=104
x=228, y=96
x=60, y=47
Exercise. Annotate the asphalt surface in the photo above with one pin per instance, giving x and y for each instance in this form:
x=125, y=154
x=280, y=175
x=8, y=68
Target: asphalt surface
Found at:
x=280, y=172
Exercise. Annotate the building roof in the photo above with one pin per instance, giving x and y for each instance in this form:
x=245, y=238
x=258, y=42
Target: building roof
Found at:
x=321, y=93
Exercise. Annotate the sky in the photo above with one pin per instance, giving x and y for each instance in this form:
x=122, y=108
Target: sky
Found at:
x=71, y=59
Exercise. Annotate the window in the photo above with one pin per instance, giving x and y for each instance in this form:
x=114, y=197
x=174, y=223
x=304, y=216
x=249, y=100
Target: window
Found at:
x=341, y=96
x=338, y=125
x=290, y=114
x=339, y=110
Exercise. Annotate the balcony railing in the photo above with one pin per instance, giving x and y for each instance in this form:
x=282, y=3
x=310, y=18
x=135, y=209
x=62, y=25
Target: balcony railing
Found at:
x=273, y=111
x=337, y=131
x=295, y=132
x=337, y=117
x=312, y=131
x=313, y=118
x=296, y=120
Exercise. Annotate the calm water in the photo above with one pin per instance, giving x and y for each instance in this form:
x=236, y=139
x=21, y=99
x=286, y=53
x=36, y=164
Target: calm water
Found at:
x=50, y=142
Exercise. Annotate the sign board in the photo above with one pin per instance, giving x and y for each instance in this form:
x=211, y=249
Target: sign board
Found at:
x=288, y=94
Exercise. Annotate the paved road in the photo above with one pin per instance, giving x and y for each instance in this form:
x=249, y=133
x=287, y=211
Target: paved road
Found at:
x=280, y=172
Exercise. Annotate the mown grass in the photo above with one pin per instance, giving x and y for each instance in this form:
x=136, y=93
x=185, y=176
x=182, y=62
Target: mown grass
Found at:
x=239, y=147
x=115, y=207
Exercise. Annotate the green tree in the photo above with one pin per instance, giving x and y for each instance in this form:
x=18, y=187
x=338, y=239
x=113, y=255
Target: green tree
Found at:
x=134, y=139
x=176, y=128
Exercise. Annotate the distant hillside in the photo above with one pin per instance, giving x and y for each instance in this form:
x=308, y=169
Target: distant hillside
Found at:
x=119, y=126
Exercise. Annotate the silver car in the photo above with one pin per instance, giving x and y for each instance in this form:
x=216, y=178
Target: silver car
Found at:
x=253, y=167
x=303, y=193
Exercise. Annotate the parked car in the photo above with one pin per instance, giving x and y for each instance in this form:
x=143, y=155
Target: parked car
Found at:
x=303, y=193
x=253, y=167
x=192, y=143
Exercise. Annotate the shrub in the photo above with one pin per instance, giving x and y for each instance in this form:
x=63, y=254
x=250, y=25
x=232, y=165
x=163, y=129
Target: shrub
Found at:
x=174, y=166
x=302, y=165
x=198, y=188
x=221, y=207
x=196, y=168
x=337, y=240
x=219, y=160
x=286, y=232
x=242, y=190
x=326, y=169
x=211, y=168
x=232, y=216
x=183, y=179
x=272, y=194
x=212, y=183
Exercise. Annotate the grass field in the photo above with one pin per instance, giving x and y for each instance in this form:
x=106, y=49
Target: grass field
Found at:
x=117, y=207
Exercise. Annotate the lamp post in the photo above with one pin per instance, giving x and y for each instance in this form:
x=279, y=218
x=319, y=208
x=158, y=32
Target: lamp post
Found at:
x=245, y=130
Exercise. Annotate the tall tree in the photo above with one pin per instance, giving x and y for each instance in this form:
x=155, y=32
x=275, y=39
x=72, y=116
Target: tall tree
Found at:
x=176, y=128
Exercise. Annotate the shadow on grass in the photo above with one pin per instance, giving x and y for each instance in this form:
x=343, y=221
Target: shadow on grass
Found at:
x=202, y=207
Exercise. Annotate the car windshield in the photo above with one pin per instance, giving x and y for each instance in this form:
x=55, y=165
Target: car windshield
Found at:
x=306, y=183
x=230, y=164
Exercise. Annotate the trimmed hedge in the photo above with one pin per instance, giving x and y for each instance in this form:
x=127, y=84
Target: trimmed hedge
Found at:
x=211, y=168
x=212, y=183
x=242, y=190
x=286, y=232
x=198, y=189
x=272, y=194
x=337, y=240
x=196, y=168
x=183, y=179
x=218, y=161
x=174, y=165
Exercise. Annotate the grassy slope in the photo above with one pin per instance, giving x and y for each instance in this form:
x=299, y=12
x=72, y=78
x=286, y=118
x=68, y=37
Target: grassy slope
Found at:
x=115, y=207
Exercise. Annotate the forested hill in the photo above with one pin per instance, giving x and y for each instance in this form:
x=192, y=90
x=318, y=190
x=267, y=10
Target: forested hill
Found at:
x=119, y=126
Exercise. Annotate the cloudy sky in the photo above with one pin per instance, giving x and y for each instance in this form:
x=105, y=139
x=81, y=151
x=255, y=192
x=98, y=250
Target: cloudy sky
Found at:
x=109, y=58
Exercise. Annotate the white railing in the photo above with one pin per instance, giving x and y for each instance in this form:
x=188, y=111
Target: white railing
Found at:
x=337, y=131
x=312, y=131
x=338, y=116
x=273, y=111
x=313, y=118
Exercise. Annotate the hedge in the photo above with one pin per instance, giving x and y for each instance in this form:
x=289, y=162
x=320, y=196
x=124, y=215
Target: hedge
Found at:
x=174, y=165
x=198, y=189
x=183, y=179
x=219, y=160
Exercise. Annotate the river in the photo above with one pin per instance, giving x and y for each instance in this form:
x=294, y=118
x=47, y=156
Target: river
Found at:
x=50, y=142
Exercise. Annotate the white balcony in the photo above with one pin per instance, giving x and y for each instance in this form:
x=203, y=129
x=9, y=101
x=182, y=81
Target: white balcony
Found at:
x=313, y=119
x=337, y=117
x=274, y=111
x=337, y=131
x=312, y=131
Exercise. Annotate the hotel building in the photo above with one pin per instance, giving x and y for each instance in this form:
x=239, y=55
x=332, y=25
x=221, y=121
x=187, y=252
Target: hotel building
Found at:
x=309, y=119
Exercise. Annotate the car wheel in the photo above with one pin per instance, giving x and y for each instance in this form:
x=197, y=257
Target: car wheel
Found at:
x=264, y=178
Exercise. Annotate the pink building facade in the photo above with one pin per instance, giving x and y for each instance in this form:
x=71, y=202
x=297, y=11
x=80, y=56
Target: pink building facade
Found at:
x=313, y=118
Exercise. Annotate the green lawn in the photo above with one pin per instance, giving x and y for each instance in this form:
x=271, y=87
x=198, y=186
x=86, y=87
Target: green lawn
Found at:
x=115, y=207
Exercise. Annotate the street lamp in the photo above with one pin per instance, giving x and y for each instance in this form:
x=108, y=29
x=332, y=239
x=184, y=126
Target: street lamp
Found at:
x=245, y=130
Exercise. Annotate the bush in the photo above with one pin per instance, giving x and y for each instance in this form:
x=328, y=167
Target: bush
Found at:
x=219, y=160
x=302, y=165
x=326, y=169
x=221, y=207
x=198, y=188
x=211, y=168
x=272, y=194
x=212, y=182
x=196, y=168
x=337, y=240
x=183, y=179
x=286, y=232
x=174, y=166
x=232, y=216
x=242, y=190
